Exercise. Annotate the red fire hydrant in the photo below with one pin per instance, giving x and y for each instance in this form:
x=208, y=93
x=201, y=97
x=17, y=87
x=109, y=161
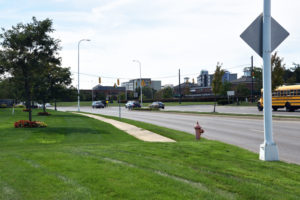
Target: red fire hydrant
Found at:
x=198, y=131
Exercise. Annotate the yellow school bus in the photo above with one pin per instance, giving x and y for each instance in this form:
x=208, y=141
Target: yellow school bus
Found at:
x=283, y=96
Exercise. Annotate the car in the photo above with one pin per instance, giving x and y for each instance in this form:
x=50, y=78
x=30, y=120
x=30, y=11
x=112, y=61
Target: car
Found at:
x=48, y=105
x=97, y=104
x=129, y=104
x=132, y=104
x=157, y=104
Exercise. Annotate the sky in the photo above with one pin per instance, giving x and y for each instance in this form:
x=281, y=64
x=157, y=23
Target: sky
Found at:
x=164, y=35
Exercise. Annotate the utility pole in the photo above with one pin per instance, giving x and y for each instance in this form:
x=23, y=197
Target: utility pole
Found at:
x=252, y=79
x=179, y=89
x=268, y=150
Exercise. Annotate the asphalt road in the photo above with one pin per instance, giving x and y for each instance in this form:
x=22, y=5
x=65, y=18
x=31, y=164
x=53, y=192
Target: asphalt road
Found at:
x=230, y=109
x=244, y=132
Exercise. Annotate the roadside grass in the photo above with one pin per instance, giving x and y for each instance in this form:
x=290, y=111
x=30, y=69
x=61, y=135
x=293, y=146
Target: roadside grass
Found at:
x=77, y=157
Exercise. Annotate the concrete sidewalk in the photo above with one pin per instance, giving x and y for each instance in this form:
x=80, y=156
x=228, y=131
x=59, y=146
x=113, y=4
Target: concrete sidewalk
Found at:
x=136, y=132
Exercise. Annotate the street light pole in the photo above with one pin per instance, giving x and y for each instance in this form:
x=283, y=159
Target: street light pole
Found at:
x=141, y=87
x=268, y=150
x=78, y=106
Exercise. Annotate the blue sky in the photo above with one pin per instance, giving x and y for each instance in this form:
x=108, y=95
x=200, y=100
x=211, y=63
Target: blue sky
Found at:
x=164, y=35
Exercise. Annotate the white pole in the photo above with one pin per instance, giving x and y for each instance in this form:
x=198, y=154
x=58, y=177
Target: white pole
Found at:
x=141, y=87
x=268, y=150
x=78, y=106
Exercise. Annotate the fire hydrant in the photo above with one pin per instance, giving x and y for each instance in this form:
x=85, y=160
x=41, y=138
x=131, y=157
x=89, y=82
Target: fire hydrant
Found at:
x=198, y=131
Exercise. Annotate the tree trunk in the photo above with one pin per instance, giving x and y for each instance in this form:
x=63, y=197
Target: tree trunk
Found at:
x=28, y=99
x=44, y=106
x=55, y=105
x=215, y=103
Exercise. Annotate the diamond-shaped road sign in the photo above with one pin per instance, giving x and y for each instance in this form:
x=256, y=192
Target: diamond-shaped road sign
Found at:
x=254, y=33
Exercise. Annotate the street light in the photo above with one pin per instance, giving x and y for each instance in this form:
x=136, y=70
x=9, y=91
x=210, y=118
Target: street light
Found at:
x=141, y=88
x=78, y=107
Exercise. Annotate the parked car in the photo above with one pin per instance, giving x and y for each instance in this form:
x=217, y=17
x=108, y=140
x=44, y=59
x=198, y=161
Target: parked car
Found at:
x=157, y=104
x=97, y=104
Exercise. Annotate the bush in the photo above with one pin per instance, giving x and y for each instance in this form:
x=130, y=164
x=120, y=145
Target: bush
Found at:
x=3, y=106
x=19, y=106
x=26, y=110
x=29, y=124
x=224, y=102
x=44, y=114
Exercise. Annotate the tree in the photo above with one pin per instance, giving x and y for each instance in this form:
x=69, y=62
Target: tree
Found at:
x=167, y=92
x=217, y=82
x=241, y=90
x=50, y=82
x=26, y=49
x=226, y=86
x=278, y=70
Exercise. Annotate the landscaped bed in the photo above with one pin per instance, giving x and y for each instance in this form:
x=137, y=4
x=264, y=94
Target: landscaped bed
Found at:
x=77, y=157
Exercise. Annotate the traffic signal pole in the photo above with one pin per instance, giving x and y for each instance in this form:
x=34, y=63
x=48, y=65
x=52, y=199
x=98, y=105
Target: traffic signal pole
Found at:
x=268, y=150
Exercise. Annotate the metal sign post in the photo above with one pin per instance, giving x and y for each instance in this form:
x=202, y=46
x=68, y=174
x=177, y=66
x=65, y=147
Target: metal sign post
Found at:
x=268, y=150
x=263, y=36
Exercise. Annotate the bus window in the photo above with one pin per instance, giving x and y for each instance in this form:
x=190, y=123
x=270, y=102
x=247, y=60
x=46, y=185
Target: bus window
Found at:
x=298, y=92
x=292, y=93
x=281, y=93
x=287, y=93
x=278, y=93
x=284, y=93
x=273, y=94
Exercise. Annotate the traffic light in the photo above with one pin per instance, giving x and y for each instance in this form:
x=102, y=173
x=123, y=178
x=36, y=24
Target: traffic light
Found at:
x=118, y=82
x=253, y=75
x=99, y=80
x=115, y=85
x=143, y=83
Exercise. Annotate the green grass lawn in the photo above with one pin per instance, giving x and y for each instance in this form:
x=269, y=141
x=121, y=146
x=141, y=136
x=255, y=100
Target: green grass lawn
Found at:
x=81, y=158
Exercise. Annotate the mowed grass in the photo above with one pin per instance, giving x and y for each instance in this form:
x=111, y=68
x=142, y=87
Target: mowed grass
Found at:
x=81, y=158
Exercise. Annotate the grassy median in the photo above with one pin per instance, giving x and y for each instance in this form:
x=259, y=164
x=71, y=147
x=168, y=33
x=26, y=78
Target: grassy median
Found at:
x=76, y=157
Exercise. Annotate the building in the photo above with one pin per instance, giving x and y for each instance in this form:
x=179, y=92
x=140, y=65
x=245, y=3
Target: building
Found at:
x=106, y=91
x=135, y=83
x=205, y=80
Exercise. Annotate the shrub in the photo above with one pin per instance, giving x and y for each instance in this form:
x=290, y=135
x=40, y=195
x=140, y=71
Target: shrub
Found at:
x=26, y=110
x=3, y=106
x=19, y=106
x=29, y=124
x=44, y=114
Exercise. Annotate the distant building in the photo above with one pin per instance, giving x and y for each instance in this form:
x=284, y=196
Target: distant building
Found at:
x=107, y=91
x=205, y=80
x=135, y=83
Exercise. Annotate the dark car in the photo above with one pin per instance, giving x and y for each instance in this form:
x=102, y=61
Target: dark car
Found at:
x=157, y=104
x=97, y=104
x=132, y=104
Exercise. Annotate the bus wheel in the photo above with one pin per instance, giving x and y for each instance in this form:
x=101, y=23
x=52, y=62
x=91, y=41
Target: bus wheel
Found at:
x=288, y=107
x=259, y=107
x=275, y=108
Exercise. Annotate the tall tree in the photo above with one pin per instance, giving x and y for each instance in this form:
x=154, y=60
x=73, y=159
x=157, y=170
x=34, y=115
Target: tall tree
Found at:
x=278, y=69
x=26, y=48
x=217, y=82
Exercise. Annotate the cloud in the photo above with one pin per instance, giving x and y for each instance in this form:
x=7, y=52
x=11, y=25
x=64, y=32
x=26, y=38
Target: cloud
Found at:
x=164, y=35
